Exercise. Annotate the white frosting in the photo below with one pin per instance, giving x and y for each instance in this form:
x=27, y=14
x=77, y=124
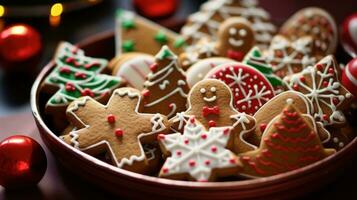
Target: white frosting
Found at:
x=352, y=29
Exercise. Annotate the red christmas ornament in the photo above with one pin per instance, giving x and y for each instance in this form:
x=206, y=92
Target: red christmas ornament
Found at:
x=349, y=77
x=349, y=34
x=22, y=162
x=19, y=42
x=156, y=8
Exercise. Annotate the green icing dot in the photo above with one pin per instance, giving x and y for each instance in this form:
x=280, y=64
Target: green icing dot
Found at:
x=128, y=45
x=165, y=54
x=128, y=24
x=161, y=37
x=256, y=53
x=179, y=42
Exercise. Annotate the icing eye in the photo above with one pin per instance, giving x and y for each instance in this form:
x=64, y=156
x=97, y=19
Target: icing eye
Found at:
x=242, y=32
x=202, y=90
x=213, y=89
x=232, y=31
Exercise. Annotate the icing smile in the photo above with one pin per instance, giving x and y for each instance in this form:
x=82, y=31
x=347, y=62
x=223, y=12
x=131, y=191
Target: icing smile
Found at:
x=211, y=99
x=235, y=42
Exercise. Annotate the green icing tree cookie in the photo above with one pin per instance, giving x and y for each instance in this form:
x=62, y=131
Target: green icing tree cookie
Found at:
x=255, y=59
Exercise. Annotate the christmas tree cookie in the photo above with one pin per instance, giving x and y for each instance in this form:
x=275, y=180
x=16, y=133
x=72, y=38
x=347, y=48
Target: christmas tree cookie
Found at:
x=255, y=59
x=135, y=33
x=165, y=90
x=289, y=142
x=198, y=154
x=77, y=75
x=117, y=128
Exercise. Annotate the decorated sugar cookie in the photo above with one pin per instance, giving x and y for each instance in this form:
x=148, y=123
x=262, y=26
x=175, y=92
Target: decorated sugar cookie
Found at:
x=275, y=106
x=289, y=142
x=117, y=128
x=165, y=90
x=206, y=21
x=256, y=59
x=198, y=154
x=321, y=84
x=199, y=70
x=211, y=103
x=133, y=68
x=77, y=75
x=289, y=57
x=314, y=22
x=135, y=33
x=249, y=87
x=235, y=38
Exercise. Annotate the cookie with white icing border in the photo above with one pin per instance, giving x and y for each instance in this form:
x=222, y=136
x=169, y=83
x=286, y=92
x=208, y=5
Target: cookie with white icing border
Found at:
x=289, y=142
x=133, y=68
x=314, y=22
x=210, y=101
x=165, y=90
x=118, y=128
x=198, y=154
x=250, y=88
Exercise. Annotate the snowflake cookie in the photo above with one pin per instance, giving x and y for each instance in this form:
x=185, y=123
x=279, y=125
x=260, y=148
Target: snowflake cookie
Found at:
x=321, y=85
x=198, y=154
x=117, y=128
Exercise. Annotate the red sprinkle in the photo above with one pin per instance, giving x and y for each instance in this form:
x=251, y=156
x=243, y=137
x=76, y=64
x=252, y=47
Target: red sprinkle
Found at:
x=296, y=87
x=262, y=127
x=226, y=131
x=331, y=71
x=186, y=141
x=207, y=162
x=80, y=75
x=232, y=161
x=335, y=101
x=145, y=93
x=153, y=67
x=178, y=153
x=165, y=170
x=119, y=132
x=214, y=149
x=212, y=123
x=87, y=92
x=302, y=78
x=192, y=120
x=319, y=67
x=203, y=136
x=70, y=87
x=192, y=163
x=325, y=83
x=65, y=70
x=111, y=118
x=325, y=117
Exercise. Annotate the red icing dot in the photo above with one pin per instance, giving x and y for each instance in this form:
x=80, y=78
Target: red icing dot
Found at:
x=226, y=131
x=87, y=92
x=325, y=117
x=153, y=67
x=232, y=161
x=296, y=86
x=145, y=93
x=212, y=123
x=207, y=162
x=274, y=135
x=262, y=127
x=192, y=120
x=119, y=132
x=111, y=118
x=331, y=71
x=214, y=149
x=178, y=153
x=319, y=67
x=70, y=87
x=192, y=163
x=186, y=141
x=161, y=137
x=80, y=75
x=302, y=79
x=335, y=101
x=325, y=83
x=165, y=170
x=65, y=70
x=204, y=136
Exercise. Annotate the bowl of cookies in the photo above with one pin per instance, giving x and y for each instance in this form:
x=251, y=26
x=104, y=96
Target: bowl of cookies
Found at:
x=230, y=108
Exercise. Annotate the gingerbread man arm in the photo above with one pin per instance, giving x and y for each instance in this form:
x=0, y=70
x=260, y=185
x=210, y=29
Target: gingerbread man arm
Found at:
x=244, y=125
x=84, y=138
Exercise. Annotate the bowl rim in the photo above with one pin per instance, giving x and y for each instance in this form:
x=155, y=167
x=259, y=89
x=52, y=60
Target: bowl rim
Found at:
x=250, y=183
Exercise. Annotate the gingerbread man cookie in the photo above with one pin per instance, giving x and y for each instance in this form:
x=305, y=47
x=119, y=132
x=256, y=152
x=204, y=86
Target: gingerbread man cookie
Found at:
x=250, y=88
x=117, y=128
x=165, y=90
x=235, y=38
x=198, y=154
x=321, y=84
x=289, y=142
x=210, y=102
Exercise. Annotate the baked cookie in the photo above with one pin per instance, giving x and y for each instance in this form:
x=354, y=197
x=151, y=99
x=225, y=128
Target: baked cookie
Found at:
x=210, y=102
x=275, y=106
x=199, y=70
x=314, y=22
x=118, y=128
x=165, y=90
x=135, y=33
x=289, y=57
x=205, y=22
x=235, y=38
x=289, y=142
x=132, y=67
x=250, y=88
x=321, y=84
x=76, y=75
x=198, y=154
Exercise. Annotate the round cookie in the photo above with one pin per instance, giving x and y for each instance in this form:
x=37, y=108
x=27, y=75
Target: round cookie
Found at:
x=235, y=38
x=314, y=22
x=133, y=68
x=199, y=70
x=250, y=88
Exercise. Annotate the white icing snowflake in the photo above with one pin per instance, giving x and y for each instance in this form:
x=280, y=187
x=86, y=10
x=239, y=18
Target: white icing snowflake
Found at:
x=197, y=152
x=323, y=89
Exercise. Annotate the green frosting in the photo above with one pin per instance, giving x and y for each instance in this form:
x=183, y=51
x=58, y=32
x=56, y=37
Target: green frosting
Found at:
x=180, y=42
x=128, y=45
x=161, y=37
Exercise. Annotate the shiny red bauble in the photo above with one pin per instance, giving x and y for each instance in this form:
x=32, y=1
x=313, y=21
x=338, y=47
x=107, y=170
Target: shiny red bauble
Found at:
x=156, y=8
x=349, y=77
x=22, y=162
x=19, y=42
x=349, y=33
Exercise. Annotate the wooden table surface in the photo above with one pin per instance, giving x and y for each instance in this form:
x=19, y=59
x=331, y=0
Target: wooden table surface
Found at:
x=58, y=183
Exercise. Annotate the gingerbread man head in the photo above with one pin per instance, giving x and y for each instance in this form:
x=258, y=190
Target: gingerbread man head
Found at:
x=235, y=38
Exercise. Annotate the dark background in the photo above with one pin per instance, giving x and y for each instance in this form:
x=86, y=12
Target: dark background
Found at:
x=77, y=25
